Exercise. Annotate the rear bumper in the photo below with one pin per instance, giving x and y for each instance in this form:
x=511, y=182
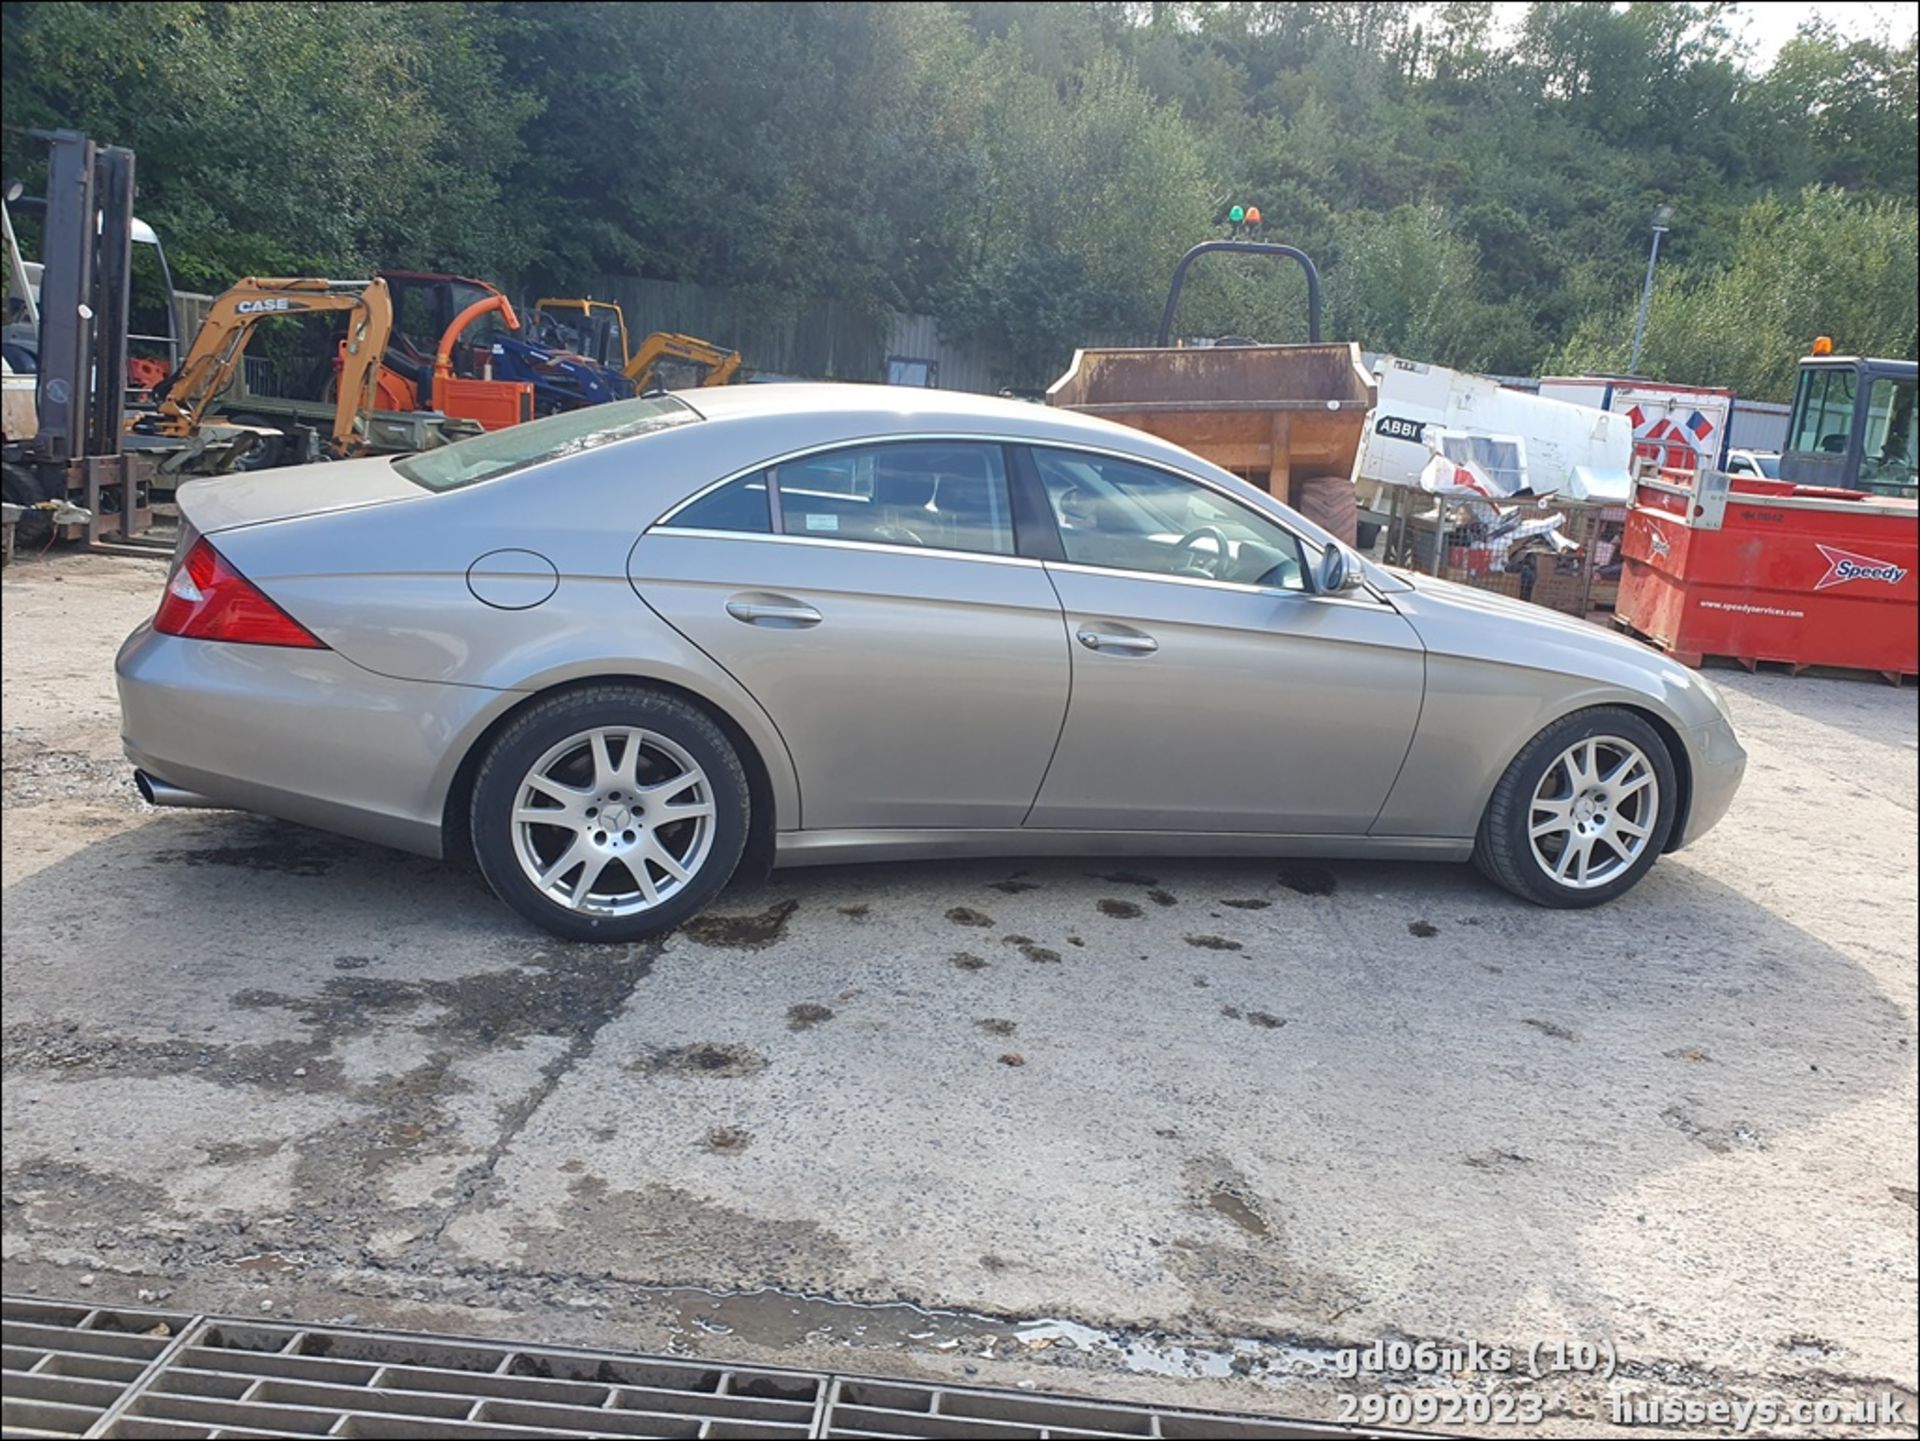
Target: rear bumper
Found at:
x=1719, y=762
x=305, y=735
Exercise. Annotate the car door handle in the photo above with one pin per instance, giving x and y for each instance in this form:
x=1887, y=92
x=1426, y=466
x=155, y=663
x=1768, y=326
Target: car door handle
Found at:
x=1108, y=640
x=756, y=612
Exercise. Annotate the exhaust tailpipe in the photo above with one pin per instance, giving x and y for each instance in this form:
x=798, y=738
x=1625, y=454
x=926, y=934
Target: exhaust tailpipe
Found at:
x=156, y=792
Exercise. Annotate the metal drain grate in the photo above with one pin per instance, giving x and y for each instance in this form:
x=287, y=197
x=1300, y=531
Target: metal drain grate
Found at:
x=64, y=1366
x=861, y=1407
x=73, y=1370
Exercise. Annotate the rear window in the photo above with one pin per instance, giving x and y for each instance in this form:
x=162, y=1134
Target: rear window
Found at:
x=500, y=452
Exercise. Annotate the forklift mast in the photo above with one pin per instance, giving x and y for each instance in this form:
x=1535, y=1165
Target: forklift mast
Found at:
x=85, y=290
x=81, y=381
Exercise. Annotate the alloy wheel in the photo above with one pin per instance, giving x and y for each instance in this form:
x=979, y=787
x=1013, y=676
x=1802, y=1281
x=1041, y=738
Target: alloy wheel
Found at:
x=1593, y=812
x=613, y=821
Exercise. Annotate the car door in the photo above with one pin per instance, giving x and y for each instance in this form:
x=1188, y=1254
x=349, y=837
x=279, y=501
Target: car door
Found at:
x=870, y=598
x=1213, y=690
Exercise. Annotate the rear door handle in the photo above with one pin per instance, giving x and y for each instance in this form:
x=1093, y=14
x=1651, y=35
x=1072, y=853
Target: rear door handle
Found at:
x=770, y=612
x=1108, y=640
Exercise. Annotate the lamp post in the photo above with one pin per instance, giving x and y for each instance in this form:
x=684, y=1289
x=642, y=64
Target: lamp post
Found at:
x=1661, y=217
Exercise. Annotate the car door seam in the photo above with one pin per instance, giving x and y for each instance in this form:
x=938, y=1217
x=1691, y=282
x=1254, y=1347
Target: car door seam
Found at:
x=793, y=766
x=1066, y=642
x=1413, y=735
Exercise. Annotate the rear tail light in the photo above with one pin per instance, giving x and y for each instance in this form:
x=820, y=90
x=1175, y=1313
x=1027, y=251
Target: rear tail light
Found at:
x=207, y=599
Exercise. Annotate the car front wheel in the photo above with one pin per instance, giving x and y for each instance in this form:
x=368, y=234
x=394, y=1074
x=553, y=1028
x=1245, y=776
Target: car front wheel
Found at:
x=1583, y=811
x=609, y=813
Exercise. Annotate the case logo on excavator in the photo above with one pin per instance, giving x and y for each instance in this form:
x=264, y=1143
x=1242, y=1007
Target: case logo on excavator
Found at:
x=1843, y=566
x=262, y=307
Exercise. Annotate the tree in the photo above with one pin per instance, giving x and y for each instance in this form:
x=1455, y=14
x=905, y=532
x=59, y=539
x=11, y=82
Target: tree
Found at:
x=1826, y=264
x=1408, y=283
x=1084, y=195
x=1840, y=113
x=1027, y=172
x=805, y=149
x=282, y=139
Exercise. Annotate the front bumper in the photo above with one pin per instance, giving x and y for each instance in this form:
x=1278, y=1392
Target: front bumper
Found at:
x=305, y=735
x=1719, y=761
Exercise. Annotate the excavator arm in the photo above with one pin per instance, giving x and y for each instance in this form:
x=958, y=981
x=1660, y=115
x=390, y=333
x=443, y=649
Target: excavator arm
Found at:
x=720, y=362
x=186, y=396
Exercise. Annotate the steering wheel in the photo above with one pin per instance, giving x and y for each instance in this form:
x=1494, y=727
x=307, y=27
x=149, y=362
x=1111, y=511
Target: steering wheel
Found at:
x=1189, y=561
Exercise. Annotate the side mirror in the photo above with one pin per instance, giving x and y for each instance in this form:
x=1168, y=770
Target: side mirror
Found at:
x=1339, y=571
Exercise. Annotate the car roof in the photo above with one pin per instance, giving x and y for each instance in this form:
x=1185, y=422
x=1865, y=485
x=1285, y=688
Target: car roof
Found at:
x=880, y=409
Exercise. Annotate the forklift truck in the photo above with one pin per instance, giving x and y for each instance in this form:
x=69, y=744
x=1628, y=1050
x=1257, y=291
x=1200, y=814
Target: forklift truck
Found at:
x=75, y=455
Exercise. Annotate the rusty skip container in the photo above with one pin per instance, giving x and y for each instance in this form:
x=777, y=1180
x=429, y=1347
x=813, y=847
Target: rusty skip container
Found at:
x=1288, y=418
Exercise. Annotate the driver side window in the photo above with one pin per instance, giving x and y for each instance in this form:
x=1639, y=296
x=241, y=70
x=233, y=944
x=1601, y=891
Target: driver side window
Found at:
x=1124, y=516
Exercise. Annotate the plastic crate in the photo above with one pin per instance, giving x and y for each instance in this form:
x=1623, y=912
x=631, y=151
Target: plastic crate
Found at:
x=1497, y=581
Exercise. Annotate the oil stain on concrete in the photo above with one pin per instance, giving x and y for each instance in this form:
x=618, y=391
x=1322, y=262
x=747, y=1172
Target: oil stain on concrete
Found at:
x=721, y=1060
x=1308, y=880
x=1032, y=949
x=745, y=933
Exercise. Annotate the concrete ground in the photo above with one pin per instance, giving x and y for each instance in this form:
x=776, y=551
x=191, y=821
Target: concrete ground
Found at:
x=1173, y=1131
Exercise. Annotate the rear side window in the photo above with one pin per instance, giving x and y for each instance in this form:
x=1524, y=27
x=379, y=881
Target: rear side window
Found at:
x=945, y=495
x=739, y=505
x=500, y=452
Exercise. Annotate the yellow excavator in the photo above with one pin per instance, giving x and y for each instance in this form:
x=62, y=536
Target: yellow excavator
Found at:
x=184, y=400
x=597, y=329
x=366, y=406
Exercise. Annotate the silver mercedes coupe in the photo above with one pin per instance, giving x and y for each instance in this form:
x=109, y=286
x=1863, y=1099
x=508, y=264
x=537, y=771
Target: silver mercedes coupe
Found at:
x=624, y=652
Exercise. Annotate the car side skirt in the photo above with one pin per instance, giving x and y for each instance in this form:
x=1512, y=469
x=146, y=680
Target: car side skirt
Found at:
x=831, y=847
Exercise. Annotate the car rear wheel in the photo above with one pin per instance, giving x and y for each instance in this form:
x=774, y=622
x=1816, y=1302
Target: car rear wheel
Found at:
x=610, y=813
x=1582, y=813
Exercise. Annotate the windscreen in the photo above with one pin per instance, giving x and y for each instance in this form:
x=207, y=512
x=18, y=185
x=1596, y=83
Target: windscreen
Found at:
x=467, y=462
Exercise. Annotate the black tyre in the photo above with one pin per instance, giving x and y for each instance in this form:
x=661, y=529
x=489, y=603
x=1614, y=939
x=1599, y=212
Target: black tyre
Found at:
x=23, y=488
x=266, y=452
x=1330, y=503
x=1582, y=813
x=609, y=813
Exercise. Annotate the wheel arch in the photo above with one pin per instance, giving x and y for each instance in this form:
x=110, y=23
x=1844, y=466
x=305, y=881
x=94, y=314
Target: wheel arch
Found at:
x=1670, y=737
x=763, y=799
x=1682, y=770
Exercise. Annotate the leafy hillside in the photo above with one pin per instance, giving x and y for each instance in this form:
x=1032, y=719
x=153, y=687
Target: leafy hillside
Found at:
x=1029, y=172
